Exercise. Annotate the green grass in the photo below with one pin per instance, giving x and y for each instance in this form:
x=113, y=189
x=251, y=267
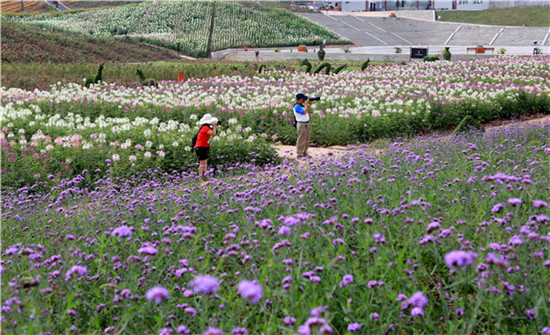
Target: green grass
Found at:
x=528, y=16
x=33, y=75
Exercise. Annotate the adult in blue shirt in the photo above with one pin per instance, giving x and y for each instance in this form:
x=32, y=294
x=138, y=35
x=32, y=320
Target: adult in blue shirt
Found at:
x=301, y=108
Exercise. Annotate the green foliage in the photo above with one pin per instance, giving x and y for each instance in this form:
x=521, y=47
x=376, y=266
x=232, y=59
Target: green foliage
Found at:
x=261, y=68
x=146, y=81
x=468, y=123
x=94, y=79
x=365, y=64
x=398, y=50
x=140, y=74
x=447, y=54
x=99, y=75
x=307, y=64
x=33, y=75
x=325, y=65
x=150, y=82
x=340, y=68
x=430, y=58
x=89, y=80
x=321, y=53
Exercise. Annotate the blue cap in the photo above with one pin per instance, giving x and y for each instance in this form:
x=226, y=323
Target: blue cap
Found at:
x=301, y=96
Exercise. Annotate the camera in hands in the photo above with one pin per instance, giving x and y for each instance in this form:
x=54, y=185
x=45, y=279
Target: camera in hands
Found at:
x=314, y=99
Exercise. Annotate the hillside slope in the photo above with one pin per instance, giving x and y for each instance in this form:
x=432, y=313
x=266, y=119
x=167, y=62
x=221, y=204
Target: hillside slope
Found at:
x=187, y=24
x=24, y=43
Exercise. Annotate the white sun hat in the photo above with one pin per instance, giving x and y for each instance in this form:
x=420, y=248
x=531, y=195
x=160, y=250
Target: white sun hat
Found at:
x=208, y=119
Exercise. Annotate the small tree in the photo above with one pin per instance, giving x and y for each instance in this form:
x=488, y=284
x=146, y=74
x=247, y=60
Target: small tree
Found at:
x=321, y=53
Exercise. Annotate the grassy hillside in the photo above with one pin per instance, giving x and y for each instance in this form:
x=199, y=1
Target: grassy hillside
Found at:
x=528, y=16
x=25, y=43
x=187, y=24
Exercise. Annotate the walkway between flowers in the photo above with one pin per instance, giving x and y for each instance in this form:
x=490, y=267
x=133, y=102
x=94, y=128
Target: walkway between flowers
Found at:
x=288, y=151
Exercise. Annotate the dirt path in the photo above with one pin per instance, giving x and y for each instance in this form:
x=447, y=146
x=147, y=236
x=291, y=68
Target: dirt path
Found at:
x=289, y=151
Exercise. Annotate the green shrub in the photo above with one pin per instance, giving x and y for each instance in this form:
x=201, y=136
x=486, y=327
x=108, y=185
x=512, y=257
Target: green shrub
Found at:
x=321, y=54
x=146, y=81
x=94, y=79
x=307, y=64
x=447, y=54
x=340, y=68
x=430, y=58
x=321, y=67
x=365, y=64
x=99, y=75
x=89, y=80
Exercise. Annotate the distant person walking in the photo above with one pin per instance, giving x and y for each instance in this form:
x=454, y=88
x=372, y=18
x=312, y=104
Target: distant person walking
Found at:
x=324, y=42
x=257, y=56
x=301, y=108
x=315, y=41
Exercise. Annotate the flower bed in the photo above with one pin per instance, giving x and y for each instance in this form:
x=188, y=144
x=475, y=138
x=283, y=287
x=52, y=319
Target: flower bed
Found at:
x=39, y=146
x=428, y=237
x=147, y=127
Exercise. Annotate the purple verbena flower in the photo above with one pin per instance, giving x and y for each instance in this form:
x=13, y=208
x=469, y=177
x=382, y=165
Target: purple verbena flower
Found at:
x=122, y=231
x=418, y=300
x=204, y=284
x=250, y=290
x=514, y=202
x=157, y=294
x=459, y=258
x=352, y=328
x=346, y=280
x=79, y=270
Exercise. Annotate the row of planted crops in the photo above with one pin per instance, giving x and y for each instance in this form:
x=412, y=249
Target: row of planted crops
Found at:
x=63, y=130
x=169, y=23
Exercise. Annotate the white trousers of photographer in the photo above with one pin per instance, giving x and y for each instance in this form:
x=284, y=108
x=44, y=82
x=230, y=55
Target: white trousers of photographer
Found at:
x=302, y=143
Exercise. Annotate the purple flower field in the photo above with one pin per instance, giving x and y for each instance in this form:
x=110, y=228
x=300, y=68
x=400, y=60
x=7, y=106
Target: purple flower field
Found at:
x=429, y=236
